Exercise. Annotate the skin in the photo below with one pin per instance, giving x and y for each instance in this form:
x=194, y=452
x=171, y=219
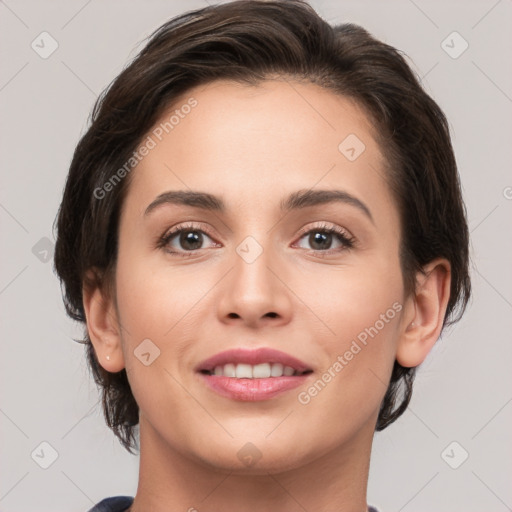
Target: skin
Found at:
x=253, y=146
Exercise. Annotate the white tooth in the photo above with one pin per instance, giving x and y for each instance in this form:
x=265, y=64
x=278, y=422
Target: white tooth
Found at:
x=288, y=371
x=261, y=371
x=277, y=370
x=218, y=371
x=243, y=371
x=229, y=370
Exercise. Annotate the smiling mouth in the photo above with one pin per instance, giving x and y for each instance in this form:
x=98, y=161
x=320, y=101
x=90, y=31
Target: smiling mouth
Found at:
x=244, y=375
x=257, y=371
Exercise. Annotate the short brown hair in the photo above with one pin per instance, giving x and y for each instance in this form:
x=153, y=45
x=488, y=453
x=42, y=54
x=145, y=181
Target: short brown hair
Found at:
x=248, y=41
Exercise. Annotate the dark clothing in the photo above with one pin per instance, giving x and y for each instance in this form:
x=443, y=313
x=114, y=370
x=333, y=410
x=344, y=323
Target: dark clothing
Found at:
x=122, y=503
x=114, y=504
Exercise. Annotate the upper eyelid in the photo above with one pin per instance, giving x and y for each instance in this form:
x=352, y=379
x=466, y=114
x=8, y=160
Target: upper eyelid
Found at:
x=324, y=226
x=187, y=226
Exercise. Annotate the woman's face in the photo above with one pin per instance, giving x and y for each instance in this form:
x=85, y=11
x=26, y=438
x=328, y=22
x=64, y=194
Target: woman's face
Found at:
x=258, y=284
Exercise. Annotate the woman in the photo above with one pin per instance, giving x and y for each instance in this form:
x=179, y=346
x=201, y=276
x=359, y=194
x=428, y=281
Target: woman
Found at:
x=263, y=234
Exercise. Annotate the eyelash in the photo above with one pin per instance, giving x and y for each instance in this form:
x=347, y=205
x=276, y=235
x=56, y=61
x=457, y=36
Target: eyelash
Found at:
x=347, y=240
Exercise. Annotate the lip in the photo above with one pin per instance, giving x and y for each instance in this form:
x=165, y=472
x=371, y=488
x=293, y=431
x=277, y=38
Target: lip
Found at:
x=253, y=357
x=252, y=390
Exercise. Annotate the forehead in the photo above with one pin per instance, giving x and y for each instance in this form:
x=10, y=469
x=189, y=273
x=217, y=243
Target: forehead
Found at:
x=253, y=143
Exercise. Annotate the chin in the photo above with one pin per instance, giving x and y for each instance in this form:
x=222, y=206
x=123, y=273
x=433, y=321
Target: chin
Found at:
x=254, y=456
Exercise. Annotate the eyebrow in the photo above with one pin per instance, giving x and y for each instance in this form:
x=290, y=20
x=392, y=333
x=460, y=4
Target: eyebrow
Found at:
x=295, y=201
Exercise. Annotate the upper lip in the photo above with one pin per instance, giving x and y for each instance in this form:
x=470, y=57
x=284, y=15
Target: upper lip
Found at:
x=252, y=357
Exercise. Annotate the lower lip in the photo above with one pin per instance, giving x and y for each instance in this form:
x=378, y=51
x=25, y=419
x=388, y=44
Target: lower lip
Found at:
x=252, y=390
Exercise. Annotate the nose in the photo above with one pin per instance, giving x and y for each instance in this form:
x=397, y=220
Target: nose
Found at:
x=255, y=293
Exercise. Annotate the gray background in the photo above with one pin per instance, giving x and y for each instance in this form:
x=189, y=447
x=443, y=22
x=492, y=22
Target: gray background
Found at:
x=463, y=391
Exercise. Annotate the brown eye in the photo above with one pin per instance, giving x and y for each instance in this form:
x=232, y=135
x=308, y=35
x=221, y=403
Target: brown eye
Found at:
x=322, y=238
x=320, y=241
x=184, y=240
x=190, y=240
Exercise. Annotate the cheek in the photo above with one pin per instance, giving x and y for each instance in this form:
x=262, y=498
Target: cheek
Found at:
x=166, y=306
x=155, y=304
x=347, y=300
x=360, y=313
x=153, y=298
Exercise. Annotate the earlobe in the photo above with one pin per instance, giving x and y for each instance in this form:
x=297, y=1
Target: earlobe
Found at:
x=102, y=325
x=427, y=307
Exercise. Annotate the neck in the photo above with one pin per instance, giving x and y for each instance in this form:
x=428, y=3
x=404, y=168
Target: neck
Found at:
x=170, y=481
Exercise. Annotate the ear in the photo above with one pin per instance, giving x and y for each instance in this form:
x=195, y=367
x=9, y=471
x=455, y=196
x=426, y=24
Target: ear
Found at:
x=102, y=323
x=424, y=313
